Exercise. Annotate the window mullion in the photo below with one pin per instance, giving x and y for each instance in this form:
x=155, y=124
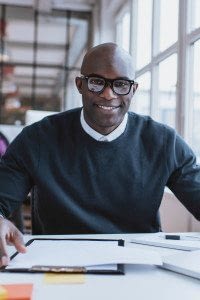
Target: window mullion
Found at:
x=133, y=30
x=182, y=103
x=154, y=67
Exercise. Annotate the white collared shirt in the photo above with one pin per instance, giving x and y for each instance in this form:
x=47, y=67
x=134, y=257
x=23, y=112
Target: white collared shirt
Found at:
x=100, y=137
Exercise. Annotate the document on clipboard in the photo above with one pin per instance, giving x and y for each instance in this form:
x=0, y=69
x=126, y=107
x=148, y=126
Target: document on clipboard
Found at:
x=93, y=256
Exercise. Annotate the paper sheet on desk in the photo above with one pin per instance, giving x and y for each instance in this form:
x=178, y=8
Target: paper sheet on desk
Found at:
x=187, y=263
x=160, y=241
x=76, y=253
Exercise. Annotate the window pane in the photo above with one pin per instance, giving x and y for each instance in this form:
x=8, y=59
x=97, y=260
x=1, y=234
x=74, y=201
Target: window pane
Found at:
x=123, y=31
x=195, y=14
x=47, y=93
x=141, y=100
x=126, y=31
x=168, y=23
x=167, y=90
x=20, y=33
x=18, y=41
x=196, y=101
x=144, y=33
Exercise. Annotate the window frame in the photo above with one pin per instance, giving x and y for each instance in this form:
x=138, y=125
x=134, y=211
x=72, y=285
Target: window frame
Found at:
x=184, y=48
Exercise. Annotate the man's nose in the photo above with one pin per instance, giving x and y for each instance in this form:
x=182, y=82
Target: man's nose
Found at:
x=108, y=93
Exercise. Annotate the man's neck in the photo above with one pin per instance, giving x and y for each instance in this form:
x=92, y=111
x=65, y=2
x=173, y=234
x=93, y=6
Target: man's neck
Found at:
x=115, y=133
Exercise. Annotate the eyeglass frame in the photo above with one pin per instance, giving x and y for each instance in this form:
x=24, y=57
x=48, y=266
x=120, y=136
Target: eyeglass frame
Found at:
x=108, y=82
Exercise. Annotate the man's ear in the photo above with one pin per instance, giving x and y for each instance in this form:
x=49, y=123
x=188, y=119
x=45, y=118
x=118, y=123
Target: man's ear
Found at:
x=79, y=83
x=135, y=86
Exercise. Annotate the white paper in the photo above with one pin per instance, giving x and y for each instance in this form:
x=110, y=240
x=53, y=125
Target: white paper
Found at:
x=80, y=254
x=187, y=263
x=160, y=241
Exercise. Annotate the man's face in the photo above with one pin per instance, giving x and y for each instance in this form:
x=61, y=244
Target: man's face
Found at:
x=104, y=111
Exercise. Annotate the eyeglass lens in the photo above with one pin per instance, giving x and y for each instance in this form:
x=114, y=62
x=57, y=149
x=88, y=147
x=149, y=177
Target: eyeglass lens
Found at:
x=119, y=86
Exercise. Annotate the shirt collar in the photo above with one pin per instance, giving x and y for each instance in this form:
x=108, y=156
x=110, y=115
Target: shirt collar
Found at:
x=100, y=137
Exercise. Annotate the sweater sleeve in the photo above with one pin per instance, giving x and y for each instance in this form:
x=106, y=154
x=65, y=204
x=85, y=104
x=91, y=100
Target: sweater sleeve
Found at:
x=17, y=168
x=184, y=180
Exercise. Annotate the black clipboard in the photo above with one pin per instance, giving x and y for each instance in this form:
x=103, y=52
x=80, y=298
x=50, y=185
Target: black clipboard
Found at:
x=65, y=269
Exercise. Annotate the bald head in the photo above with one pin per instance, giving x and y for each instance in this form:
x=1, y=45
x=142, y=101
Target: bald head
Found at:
x=108, y=60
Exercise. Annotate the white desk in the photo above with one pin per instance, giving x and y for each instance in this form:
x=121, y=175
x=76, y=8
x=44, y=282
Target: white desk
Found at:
x=139, y=282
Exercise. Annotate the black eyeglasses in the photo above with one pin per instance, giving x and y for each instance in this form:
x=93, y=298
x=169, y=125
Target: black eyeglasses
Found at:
x=118, y=86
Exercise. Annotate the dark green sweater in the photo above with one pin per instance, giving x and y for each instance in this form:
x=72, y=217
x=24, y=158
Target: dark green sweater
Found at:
x=86, y=186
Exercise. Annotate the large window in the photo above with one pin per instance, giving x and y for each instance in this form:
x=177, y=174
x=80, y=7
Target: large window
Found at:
x=141, y=100
x=168, y=23
x=123, y=29
x=167, y=90
x=195, y=14
x=196, y=101
x=144, y=18
x=165, y=36
x=158, y=55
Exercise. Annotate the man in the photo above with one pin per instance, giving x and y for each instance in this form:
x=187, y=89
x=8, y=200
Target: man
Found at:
x=98, y=169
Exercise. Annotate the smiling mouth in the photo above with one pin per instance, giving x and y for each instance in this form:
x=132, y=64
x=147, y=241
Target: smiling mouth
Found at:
x=107, y=107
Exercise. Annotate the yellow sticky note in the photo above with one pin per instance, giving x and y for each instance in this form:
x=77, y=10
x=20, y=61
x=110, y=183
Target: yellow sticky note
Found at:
x=3, y=293
x=64, y=278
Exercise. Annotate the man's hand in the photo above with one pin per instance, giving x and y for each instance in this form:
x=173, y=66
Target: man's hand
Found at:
x=9, y=235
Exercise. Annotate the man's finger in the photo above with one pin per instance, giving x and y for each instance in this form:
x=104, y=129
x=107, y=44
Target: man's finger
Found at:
x=3, y=251
x=4, y=258
x=4, y=261
x=18, y=242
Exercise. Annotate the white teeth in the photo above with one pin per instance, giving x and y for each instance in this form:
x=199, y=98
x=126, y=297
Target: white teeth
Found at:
x=107, y=107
